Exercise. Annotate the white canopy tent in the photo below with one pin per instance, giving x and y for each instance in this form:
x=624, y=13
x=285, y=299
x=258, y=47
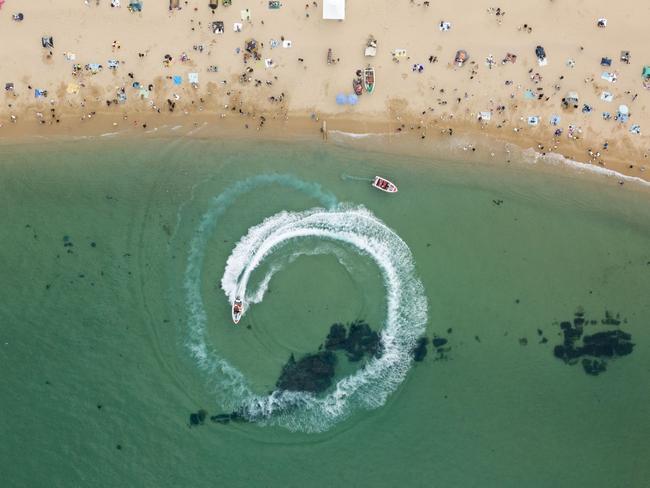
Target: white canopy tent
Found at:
x=334, y=9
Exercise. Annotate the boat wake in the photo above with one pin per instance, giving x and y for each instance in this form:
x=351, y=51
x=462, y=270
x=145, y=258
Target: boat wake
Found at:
x=354, y=227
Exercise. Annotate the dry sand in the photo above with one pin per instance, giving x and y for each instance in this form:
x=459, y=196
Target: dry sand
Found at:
x=299, y=92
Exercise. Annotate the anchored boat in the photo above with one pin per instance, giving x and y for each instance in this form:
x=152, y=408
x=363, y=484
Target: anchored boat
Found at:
x=369, y=79
x=384, y=185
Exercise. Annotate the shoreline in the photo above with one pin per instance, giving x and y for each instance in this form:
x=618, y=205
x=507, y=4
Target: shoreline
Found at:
x=376, y=136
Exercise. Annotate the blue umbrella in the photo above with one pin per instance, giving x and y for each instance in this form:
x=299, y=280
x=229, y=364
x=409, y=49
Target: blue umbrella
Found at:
x=353, y=99
x=341, y=99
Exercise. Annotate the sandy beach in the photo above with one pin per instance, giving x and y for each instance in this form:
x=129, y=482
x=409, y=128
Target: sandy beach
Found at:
x=113, y=69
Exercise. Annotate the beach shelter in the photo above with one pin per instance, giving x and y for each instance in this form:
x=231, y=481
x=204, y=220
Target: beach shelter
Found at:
x=193, y=78
x=47, y=41
x=135, y=6
x=72, y=88
x=334, y=9
x=646, y=72
x=571, y=99
x=177, y=79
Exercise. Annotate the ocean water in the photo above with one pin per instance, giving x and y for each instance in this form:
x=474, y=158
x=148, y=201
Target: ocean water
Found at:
x=120, y=258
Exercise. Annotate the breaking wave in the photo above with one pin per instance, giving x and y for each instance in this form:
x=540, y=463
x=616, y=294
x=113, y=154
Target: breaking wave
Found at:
x=354, y=227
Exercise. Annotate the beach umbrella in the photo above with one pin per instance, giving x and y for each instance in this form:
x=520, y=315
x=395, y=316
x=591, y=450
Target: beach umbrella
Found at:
x=555, y=120
x=353, y=99
x=341, y=99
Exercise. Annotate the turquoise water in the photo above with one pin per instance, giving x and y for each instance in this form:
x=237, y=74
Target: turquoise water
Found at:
x=98, y=350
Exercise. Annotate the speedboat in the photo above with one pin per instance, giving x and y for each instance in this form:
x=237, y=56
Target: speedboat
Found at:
x=237, y=310
x=384, y=185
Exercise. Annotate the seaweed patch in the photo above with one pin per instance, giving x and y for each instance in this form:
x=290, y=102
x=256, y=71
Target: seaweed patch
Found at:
x=593, y=351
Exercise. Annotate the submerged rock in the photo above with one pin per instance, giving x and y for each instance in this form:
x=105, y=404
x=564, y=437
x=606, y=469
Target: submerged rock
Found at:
x=420, y=349
x=597, y=347
x=439, y=341
x=594, y=366
x=313, y=373
x=222, y=418
x=357, y=342
x=198, y=418
x=336, y=337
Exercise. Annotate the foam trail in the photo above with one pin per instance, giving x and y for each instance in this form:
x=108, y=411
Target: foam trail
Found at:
x=359, y=178
x=354, y=227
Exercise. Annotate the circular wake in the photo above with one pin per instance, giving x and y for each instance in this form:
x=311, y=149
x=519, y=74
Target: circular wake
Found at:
x=352, y=226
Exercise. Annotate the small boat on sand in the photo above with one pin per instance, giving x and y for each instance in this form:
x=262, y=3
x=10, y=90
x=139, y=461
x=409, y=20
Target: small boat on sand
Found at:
x=357, y=85
x=384, y=185
x=237, y=310
x=369, y=79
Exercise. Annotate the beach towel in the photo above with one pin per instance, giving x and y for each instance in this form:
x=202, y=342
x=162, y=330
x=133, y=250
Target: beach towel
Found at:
x=113, y=63
x=287, y=44
x=268, y=63
x=246, y=15
x=606, y=96
x=533, y=120
x=94, y=68
x=485, y=116
x=611, y=77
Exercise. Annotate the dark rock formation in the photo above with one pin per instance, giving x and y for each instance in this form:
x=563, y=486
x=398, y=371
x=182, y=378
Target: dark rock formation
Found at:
x=594, y=366
x=198, y=418
x=439, y=341
x=598, y=347
x=336, y=338
x=420, y=349
x=313, y=373
x=359, y=340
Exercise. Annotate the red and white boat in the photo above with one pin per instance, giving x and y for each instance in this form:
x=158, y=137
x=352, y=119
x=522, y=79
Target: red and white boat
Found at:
x=384, y=185
x=237, y=310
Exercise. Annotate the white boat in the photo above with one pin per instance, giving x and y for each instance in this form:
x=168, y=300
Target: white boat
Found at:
x=237, y=310
x=384, y=185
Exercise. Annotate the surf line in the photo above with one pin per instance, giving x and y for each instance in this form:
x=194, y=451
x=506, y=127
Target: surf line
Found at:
x=352, y=226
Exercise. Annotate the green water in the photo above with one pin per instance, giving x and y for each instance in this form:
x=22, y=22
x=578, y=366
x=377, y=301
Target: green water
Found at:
x=106, y=325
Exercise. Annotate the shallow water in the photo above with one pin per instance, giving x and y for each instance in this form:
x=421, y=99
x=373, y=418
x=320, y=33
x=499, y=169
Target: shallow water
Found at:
x=95, y=338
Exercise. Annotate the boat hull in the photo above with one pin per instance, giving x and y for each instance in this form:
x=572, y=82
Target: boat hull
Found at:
x=237, y=311
x=384, y=185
